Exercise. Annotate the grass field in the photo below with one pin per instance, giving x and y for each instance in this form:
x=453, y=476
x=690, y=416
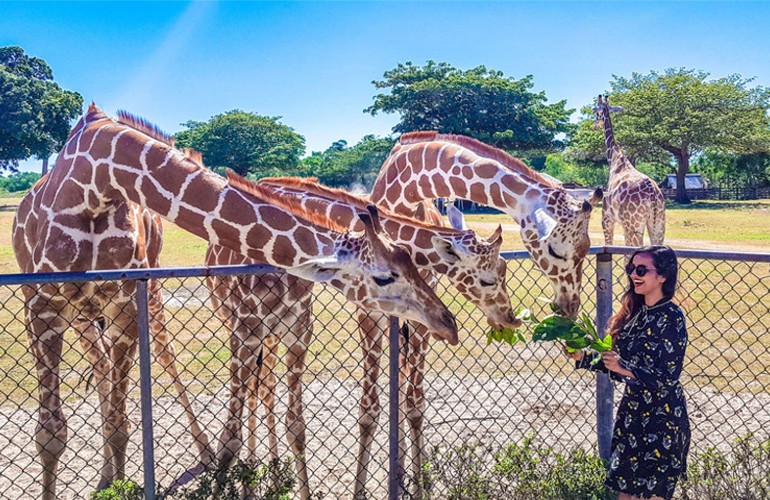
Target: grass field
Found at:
x=725, y=304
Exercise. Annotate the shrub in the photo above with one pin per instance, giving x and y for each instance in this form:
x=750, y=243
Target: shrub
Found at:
x=272, y=481
x=522, y=471
x=743, y=474
x=122, y=489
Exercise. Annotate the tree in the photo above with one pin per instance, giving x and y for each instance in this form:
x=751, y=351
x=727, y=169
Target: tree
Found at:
x=480, y=103
x=247, y=143
x=19, y=181
x=750, y=170
x=35, y=113
x=681, y=113
x=352, y=168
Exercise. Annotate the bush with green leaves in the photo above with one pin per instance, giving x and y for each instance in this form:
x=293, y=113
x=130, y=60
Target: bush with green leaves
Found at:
x=122, y=489
x=271, y=481
x=741, y=474
x=522, y=471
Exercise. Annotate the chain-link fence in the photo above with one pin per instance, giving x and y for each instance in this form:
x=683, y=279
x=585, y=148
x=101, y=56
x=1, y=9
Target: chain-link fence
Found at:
x=478, y=394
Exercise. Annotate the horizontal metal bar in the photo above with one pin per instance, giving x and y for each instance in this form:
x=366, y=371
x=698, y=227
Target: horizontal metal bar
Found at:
x=680, y=252
x=689, y=254
x=136, y=274
x=188, y=272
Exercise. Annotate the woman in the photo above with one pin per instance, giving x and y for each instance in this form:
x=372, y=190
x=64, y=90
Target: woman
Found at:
x=652, y=432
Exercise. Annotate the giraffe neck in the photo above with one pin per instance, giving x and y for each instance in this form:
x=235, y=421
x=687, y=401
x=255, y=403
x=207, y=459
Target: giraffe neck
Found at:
x=105, y=162
x=615, y=157
x=416, y=172
x=342, y=208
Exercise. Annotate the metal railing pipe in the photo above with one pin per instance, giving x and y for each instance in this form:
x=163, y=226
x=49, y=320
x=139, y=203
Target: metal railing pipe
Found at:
x=395, y=472
x=145, y=385
x=604, y=388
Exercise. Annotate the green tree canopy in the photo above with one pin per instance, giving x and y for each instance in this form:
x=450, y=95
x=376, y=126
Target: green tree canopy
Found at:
x=346, y=167
x=480, y=103
x=728, y=168
x=35, y=113
x=247, y=143
x=681, y=113
x=19, y=181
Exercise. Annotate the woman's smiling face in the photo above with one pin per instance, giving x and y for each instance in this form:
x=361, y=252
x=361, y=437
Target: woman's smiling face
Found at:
x=651, y=281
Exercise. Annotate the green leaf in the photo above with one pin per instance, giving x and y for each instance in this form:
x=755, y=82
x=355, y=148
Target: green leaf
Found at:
x=576, y=344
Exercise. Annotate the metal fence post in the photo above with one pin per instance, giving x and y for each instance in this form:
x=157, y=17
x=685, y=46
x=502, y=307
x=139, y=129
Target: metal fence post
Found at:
x=604, y=388
x=145, y=385
x=395, y=472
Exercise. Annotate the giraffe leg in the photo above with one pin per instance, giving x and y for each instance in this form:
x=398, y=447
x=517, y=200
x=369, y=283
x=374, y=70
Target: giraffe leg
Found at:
x=45, y=328
x=371, y=328
x=263, y=388
x=608, y=222
x=295, y=420
x=246, y=360
x=634, y=233
x=97, y=351
x=124, y=332
x=165, y=353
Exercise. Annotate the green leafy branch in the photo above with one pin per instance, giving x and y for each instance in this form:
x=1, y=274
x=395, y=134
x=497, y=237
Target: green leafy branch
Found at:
x=576, y=333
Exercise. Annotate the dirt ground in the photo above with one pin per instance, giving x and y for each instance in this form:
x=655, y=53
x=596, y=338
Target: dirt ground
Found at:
x=489, y=410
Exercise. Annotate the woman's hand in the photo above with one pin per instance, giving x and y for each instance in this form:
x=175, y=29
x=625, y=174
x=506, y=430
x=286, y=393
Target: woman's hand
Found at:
x=577, y=355
x=611, y=361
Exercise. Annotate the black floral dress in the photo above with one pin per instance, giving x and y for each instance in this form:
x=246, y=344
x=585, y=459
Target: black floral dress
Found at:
x=651, y=435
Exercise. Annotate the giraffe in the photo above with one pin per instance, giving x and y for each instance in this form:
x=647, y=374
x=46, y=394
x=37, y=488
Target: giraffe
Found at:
x=472, y=264
x=632, y=199
x=97, y=209
x=56, y=230
x=554, y=229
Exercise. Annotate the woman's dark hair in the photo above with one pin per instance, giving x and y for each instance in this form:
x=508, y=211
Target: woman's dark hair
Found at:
x=664, y=260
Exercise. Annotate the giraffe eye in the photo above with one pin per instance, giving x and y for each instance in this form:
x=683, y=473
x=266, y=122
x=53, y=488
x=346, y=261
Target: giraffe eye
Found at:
x=554, y=254
x=486, y=283
x=382, y=281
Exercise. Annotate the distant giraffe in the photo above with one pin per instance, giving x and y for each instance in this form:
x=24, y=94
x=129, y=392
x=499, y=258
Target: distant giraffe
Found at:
x=632, y=198
x=89, y=213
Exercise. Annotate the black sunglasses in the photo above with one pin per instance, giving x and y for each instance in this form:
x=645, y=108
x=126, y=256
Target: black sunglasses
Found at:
x=641, y=269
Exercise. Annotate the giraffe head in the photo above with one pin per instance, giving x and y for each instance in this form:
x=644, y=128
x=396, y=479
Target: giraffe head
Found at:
x=379, y=275
x=556, y=236
x=602, y=111
x=477, y=271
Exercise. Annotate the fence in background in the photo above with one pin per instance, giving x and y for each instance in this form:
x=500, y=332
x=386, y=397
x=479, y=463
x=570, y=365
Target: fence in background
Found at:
x=491, y=395
x=722, y=193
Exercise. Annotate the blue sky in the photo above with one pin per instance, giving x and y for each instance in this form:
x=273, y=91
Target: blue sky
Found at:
x=313, y=62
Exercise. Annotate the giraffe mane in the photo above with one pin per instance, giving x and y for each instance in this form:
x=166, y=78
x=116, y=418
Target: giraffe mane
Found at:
x=481, y=149
x=145, y=127
x=311, y=185
x=282, y=201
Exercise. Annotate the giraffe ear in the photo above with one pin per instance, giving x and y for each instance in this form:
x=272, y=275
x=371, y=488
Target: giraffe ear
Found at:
x=615, y=109
x=447, y=250
x=544, y=222
x=321, y=270
x=456, y=217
